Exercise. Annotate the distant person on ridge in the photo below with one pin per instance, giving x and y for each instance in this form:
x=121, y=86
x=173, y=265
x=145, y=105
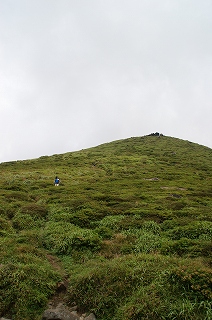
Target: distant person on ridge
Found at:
x=56, y=181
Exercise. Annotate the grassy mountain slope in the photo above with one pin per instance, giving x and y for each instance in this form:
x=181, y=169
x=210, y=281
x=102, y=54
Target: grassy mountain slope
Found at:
x=131, y=224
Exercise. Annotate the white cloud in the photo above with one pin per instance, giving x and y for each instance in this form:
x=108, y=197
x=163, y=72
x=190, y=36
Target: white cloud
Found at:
x=75, y=74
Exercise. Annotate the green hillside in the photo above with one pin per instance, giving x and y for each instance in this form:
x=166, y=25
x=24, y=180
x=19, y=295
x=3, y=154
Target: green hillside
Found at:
x=129, y=227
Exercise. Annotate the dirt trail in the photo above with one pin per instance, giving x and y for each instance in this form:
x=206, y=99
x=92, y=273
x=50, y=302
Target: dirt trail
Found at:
x=59, y=305
x=61, y=290
x=56, y=264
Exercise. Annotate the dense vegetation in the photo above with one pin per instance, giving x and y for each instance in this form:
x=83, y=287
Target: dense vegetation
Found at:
x=130, y=223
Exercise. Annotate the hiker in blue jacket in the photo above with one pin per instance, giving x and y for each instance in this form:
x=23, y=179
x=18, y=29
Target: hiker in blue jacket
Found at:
x=56, y=181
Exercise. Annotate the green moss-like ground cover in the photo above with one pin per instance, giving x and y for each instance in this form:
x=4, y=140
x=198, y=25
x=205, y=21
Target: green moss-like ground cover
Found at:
x=131, y=223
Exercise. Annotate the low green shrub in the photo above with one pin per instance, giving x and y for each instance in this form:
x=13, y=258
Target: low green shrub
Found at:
x=147, y=242
x=10, y=210
x=15, y=186
x=25, y=289
x=197, y=281
x=59, y=214
x=35, y=210
x=16, y=249
x=168, y=224
x=5, y=227
x=177, y=204
x=111, y=222
x=147, y=239
x=143, y=287
x=25, y=221
x=153, y=302
x=63, y=238
x=193, y=230
x=152, y=226
x=118, y=244
x=104, y=232
x=188, y=247
x=17, y=195
x=82, y=217
x=108, y=284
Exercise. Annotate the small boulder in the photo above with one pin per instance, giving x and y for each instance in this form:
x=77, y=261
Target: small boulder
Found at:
x=60, y=313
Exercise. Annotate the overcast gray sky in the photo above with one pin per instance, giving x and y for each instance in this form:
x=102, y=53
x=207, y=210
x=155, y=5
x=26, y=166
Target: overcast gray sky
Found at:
x=78, y=73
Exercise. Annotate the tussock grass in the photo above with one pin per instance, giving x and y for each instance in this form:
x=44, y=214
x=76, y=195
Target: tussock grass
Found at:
x=143, y=287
